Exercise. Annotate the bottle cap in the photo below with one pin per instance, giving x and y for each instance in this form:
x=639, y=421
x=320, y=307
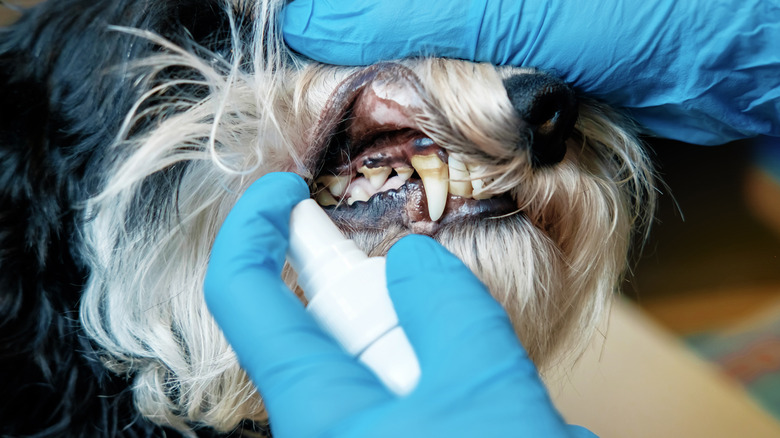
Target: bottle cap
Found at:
x=393, y=360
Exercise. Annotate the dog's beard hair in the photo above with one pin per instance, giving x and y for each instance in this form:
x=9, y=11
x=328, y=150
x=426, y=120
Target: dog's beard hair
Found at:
x=183, y=158
x=169, y=186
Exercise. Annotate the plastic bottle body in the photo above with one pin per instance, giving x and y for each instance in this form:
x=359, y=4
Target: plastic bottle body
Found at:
x=347, y=293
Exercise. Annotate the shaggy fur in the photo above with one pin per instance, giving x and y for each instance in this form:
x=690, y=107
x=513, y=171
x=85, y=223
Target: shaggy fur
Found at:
x=130, y=128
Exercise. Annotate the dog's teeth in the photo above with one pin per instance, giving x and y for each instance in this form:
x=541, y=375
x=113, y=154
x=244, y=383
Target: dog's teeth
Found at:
x=336, y=184
x=459, y=178
x=404, y=172
x=434, y=175
x=376, y=175
x=358, y=194
x=325, y=199
x=477, y=185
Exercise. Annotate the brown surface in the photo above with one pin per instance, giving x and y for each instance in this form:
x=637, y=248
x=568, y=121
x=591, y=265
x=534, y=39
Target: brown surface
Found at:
x=641, y=382
x=762, y=194
x=693, y=312
x=712, y=258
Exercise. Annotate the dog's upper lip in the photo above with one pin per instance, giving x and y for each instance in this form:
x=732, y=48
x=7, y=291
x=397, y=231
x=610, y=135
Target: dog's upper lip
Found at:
x=343, y=98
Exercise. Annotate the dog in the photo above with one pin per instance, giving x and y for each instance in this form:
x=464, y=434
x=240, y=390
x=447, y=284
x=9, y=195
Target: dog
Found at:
x=129, y=128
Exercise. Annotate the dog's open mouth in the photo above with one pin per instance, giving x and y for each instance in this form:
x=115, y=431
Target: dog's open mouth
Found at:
x=378, y=168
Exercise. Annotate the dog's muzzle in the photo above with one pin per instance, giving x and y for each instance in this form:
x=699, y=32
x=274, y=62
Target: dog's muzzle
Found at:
x=377, y=167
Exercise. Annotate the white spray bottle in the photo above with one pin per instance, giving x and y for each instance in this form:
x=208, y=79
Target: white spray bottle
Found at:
x=347, y=294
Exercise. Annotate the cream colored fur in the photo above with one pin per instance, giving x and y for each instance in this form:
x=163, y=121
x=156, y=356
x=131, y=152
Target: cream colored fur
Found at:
x=553, y=267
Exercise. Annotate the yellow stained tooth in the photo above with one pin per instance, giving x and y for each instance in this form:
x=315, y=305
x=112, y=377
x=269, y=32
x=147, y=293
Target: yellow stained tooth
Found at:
x=376, y=175
x=404, y=172
x=358, y=194
x=325, y=199
x=460, y=185
x=434, y=175
x=336, y=184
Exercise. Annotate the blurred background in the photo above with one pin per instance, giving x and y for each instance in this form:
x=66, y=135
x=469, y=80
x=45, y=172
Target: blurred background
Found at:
x=716, y=242
x=709, y=274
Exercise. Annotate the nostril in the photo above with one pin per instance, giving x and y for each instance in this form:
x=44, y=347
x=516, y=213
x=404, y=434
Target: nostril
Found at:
x=549, y=108
x=545, y=112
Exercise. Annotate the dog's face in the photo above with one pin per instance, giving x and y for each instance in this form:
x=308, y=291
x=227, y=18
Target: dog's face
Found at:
x=496, y=163
x=536, y=189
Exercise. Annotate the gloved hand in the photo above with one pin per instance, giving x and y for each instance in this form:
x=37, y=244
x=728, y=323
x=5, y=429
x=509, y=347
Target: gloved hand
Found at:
x=476, y=378
x=700, y=71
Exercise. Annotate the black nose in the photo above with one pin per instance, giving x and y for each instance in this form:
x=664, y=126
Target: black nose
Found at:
x=549, y=107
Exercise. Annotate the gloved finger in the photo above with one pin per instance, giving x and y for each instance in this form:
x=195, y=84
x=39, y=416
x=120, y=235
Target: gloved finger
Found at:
x=362, y=32
x=461, y=334
x=297, y=367
x=243, y=286
x=452, y=321
x=580, y=432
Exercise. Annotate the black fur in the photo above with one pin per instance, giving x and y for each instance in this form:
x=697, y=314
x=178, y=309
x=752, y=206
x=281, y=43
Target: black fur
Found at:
x=64, y=91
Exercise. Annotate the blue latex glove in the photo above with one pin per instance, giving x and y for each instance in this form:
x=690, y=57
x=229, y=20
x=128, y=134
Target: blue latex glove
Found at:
x=476, y=378
x=700, y=71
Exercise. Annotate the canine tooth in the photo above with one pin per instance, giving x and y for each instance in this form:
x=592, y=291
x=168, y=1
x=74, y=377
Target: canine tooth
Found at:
x=459, y=178
x=358, y=194
x=336, y=184
x=325, y=199
x=404, y=172
x=376, y=175
x=434, y=175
